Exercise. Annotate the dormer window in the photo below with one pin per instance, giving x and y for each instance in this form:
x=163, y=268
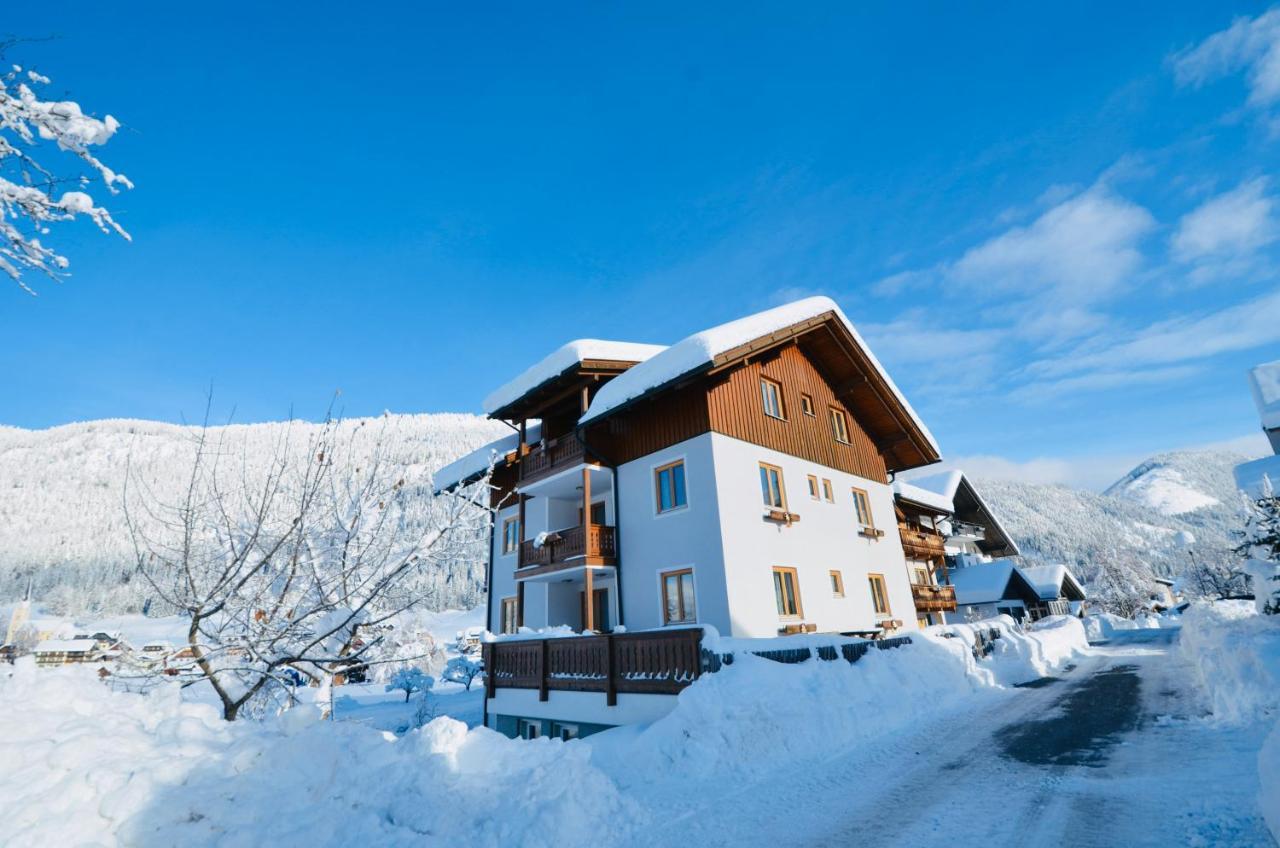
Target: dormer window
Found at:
x=771, y=395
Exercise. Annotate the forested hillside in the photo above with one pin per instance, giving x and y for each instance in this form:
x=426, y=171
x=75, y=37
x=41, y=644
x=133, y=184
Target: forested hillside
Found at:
x=62, y=521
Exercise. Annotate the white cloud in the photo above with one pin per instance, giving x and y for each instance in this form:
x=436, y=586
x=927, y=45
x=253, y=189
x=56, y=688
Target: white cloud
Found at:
x=1234, y=224
x=1105, y=380
x=1251, y=45
x=1240, y=327
x=1079, y=251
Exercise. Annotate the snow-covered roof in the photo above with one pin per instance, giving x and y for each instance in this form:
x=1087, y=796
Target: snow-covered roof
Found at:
x=1265, y=382
x=65, y=646
x=985, y=582
x=1052, y=581
x=700, y=349
x=562, y=359
x=1259, y=478
x=947, y=485
x=470, y=466
x=924, y=497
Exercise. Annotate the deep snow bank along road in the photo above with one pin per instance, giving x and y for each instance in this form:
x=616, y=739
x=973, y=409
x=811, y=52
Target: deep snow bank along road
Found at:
x=1115, y=752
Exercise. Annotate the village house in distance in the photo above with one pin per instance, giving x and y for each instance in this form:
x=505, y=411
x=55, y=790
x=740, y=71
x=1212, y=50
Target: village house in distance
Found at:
x=740, y=479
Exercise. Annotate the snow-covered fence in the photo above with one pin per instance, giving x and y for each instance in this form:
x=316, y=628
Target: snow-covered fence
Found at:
x=712, y=661
x=984, y=641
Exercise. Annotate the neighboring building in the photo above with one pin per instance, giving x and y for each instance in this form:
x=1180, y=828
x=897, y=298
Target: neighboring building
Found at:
x=56, y=652
x=1262, y=476
x=737, y=479
x=948, y=526
x=1260, y=479
x=987, y=589
x=1164, y=595
x=1059, y=591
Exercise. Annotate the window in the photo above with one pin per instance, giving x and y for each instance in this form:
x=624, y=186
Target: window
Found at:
x=509, y=620
x=678, y=603
x=786, y=591
x=863, y=508
x=528, y=728
x=771, y=486
x=827, y=491
x=806, y=404
x=510, y=536
x=837, y=584
x=771, y=394
x=922, y=577
x=669, y=482
x=839, y=425
x=879, y=597
x=564, y=731
x=813, y=487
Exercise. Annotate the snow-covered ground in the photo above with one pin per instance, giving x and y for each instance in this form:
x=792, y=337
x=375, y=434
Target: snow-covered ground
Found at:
x=915, y=744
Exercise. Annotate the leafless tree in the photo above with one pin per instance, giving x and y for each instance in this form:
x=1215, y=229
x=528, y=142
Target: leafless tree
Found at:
x=290, y=570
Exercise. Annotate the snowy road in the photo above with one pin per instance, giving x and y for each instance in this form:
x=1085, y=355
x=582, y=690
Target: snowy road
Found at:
x=1114, y=752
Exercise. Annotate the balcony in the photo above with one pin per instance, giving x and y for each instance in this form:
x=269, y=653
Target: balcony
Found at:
x=933, y=598
x=554, y=455
x=594, y=544
x=921, y=544
x=655, y=663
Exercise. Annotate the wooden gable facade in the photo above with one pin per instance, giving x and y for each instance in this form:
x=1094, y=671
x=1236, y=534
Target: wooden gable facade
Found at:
x=728, y=400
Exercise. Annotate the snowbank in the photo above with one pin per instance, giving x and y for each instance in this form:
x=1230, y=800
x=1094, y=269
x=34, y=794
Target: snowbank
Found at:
x=86, y=765
x=1020, y=656
x=1235, y=656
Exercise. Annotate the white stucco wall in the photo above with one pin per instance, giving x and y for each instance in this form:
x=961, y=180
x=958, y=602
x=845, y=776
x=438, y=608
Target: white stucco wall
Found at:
x=587, y=707
x=825, y=538
x=689, y=537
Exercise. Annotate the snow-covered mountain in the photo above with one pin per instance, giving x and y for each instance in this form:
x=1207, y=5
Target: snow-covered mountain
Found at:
x=61, y=495
x=1166, y=506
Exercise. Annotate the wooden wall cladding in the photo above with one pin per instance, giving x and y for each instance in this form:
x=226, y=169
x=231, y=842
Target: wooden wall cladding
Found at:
x=735, y=409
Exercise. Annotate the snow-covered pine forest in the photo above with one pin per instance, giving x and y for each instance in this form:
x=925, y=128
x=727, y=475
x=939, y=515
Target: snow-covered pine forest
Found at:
x=62, y=520
x=62, y=524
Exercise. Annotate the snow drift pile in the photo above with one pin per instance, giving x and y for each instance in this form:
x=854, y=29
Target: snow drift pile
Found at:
x=95, y=766
x=1235, y=656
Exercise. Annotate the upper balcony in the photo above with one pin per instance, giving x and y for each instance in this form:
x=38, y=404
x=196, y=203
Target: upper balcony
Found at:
x=591, y=544
x=921, y=544
x=552, y=456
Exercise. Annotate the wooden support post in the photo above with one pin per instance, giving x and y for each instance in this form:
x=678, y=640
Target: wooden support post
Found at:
x=544, y=673
x=589, y=608
x=490, y=679
x=611, y=682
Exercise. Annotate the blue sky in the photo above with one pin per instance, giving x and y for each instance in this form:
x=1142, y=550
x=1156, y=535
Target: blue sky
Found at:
x=1056, y=226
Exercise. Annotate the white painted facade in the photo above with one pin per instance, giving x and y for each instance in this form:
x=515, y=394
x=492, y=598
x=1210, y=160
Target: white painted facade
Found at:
x=724, y=536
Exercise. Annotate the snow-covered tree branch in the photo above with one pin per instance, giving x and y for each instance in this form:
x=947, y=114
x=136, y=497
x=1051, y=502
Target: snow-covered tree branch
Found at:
x=293, y=571
x=1261, y=549
x=33, y=194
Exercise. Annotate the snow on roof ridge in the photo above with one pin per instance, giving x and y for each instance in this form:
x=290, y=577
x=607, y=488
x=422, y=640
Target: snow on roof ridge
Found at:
x=702, y=347
x=1264, y=380
x=928, y=497
x=945, y=483
x=562, y=358
x=1048, y=578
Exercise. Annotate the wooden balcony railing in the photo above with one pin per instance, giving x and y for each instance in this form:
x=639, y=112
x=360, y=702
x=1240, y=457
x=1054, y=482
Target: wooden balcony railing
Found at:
x=933, y=598
x=921, y=544
x=594, y=544
x=659, y=662
x=558, y=453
